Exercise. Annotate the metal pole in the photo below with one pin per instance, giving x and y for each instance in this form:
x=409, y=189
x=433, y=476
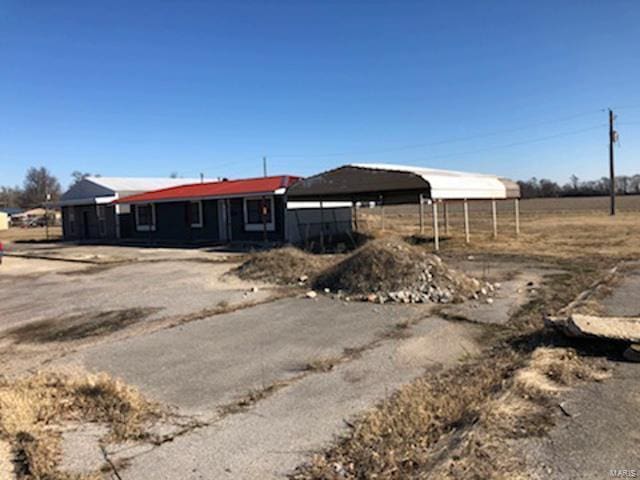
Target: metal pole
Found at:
x=445, y=205
x=421, y=199
x=516, y=205
x=494, y=217
x=381, y=213
x=436, y=236
x=612, y=174
x=466, y=221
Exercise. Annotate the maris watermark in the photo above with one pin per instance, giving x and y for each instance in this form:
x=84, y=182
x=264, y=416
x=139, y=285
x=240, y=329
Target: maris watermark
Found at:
x=624, y=473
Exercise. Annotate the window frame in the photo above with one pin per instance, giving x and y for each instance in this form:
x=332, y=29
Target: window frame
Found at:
x=72, y=220
x=200, y=222
x=102, y=223
x=149, y=227
x=259, y=227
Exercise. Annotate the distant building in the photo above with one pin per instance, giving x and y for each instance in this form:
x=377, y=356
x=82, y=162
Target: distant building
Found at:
x=4, y=220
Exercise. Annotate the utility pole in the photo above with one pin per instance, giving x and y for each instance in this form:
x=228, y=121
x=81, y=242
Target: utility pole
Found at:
x=264, y=166
x=612, y=175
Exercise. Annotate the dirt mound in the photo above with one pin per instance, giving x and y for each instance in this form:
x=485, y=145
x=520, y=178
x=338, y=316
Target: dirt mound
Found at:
x=287, y=265
x=389, y=269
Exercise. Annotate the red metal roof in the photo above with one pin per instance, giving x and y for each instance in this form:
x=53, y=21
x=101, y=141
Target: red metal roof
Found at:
x=224, y=188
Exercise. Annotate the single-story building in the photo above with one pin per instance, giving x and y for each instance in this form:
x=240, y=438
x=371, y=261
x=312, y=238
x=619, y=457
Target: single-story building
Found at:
x=244, y=210
x=87, y=208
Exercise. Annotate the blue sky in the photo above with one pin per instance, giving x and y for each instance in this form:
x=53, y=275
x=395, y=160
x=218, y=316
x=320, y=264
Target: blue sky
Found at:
x=149, y=88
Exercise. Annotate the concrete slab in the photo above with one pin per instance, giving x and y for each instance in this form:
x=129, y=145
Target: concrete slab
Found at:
x=283, y=430
x=625, y=299
x=602, y=434
x=173, y=287
x=204, y=364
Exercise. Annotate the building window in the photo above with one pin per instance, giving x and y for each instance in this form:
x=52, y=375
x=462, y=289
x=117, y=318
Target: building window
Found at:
x=102, y=222
x=258, y=214
x=195, y=214
x=145, y=217
x=72, y=220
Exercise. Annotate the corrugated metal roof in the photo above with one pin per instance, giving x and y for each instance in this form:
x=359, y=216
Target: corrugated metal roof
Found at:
x=451, y=184
x=227, y=188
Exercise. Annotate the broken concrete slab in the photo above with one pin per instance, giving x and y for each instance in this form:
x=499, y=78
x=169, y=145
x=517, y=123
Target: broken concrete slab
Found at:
x=612, y=328
x=81, y=453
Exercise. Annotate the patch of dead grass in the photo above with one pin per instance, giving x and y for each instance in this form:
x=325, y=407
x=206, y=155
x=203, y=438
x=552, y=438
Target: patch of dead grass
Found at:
x=33, y=410
x=78, y=326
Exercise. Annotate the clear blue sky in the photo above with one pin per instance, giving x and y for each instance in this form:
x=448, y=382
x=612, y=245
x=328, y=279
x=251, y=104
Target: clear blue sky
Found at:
x=148, y=88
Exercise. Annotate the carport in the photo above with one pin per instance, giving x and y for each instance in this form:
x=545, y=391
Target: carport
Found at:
x=387, y=184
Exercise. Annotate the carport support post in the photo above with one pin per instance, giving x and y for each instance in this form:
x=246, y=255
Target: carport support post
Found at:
x=421, y=199
x=445, y=206
x=321, y=226
x=516, y=205
x=494, y=218
x=466, y=220
x=381, y=213
x=355, y=215
x=436, y=236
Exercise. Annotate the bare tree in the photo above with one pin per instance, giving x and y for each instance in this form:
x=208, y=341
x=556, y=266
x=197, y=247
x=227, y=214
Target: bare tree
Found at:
x=39, y=183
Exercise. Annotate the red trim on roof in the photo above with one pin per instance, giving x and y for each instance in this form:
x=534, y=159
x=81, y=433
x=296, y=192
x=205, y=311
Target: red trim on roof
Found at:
x=225, y=188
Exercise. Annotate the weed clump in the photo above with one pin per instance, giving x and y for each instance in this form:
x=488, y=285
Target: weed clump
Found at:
x=34, y=409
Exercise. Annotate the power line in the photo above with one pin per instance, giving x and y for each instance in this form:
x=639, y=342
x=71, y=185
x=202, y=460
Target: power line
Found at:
x=440, y=142
x=515, y=144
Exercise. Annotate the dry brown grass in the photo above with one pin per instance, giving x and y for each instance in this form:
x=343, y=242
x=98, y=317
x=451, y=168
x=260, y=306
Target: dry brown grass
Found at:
x=37, y=234
x=34, y=409
x=454, y=425
x=282, y=265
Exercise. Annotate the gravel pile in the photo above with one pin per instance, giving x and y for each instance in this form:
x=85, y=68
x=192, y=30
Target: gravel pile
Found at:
x=391, y=270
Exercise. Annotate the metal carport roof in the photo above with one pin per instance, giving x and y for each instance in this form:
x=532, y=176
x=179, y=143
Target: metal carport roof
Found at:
x=400, y=184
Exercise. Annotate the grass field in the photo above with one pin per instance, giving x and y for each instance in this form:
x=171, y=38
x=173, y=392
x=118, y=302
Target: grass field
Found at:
x=550, y=227
x=36, y=234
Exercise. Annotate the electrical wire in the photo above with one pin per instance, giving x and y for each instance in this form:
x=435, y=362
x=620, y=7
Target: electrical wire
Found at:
x=515, y=144
x=436, y=143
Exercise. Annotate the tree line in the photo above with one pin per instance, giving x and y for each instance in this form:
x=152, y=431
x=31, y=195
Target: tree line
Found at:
x=534, y=188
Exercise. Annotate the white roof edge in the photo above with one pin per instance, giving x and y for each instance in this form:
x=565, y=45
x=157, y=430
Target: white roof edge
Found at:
x=450, y=184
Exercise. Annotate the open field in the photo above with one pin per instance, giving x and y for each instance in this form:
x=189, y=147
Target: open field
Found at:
x=556, y=228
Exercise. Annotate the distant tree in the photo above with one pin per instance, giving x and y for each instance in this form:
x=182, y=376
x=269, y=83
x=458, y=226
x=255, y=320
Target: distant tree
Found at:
x=10, y=196
x=549, y=188
x=78, y=176
x=39, y=183
x=575, y=182
x=173, y=175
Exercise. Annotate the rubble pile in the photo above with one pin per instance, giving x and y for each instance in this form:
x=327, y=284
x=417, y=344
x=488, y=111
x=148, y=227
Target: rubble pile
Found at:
x=391, y=270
